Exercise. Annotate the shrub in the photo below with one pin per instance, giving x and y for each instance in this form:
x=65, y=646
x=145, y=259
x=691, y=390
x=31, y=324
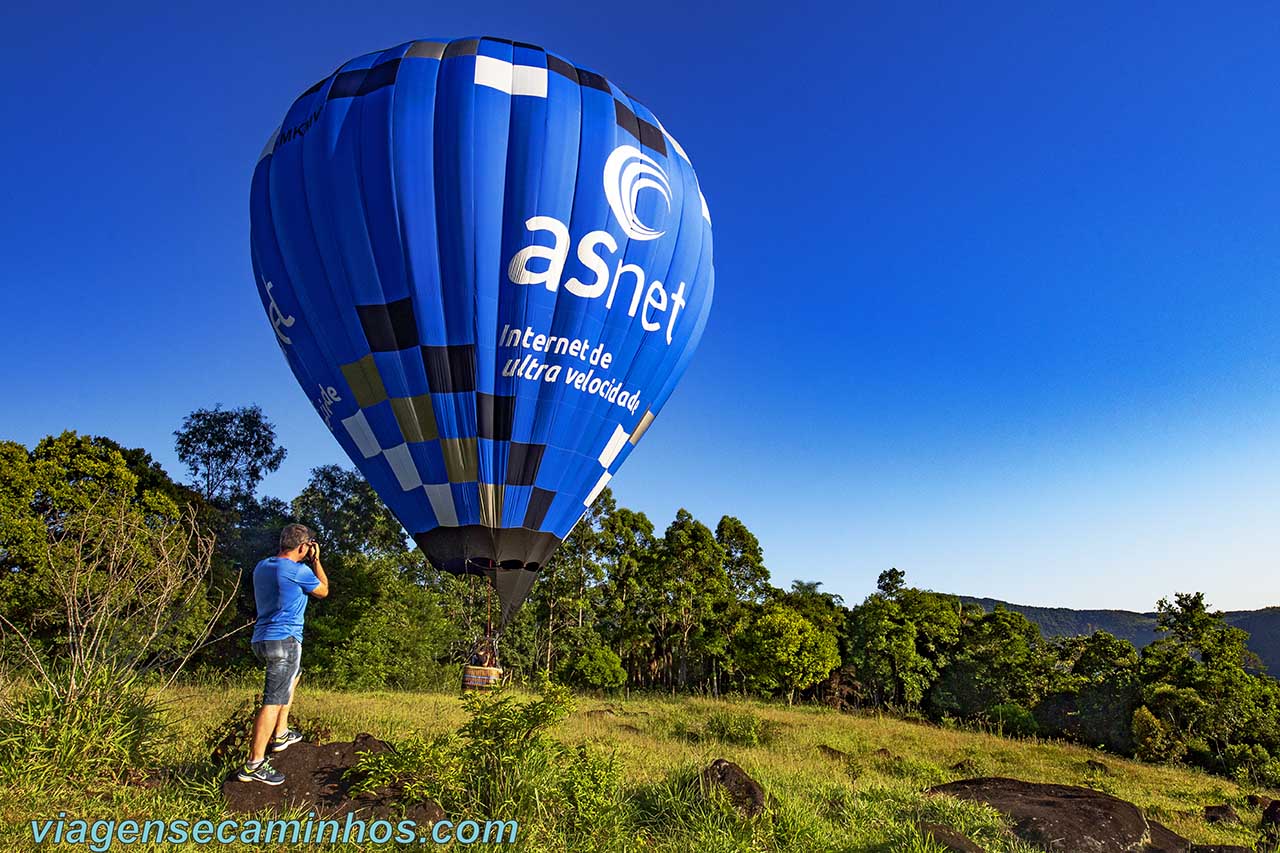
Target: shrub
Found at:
x=1012, y=720
x=596, y=668
x=109, y=725
x=740, y=728
x=1152, y=739
x=502, y=763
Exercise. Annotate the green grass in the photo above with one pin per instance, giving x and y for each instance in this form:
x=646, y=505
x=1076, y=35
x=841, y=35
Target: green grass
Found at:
x=869, y=802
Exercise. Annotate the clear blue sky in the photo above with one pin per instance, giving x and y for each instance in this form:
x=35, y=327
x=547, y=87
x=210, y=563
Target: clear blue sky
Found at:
x=996, y=289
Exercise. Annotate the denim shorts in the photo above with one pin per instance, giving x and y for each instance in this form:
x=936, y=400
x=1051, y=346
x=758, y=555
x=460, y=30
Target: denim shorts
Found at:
x=283, y=659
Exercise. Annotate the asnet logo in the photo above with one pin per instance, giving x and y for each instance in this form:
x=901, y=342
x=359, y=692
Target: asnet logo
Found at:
x=628, y=172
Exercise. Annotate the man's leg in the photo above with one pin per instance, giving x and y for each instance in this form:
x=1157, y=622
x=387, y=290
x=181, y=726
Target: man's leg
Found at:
x=282, y=666
x=264, y=726
x=282, y=723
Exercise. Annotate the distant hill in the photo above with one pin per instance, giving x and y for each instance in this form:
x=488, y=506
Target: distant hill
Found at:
x=1140, y=628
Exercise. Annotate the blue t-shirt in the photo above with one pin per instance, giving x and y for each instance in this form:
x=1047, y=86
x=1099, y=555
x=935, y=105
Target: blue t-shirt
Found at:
x=280, y=588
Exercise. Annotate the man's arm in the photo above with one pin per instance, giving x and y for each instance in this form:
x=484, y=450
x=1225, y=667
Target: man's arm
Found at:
x=322, y=590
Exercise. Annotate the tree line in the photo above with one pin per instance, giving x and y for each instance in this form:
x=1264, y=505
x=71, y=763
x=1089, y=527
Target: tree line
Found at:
x=622, y=605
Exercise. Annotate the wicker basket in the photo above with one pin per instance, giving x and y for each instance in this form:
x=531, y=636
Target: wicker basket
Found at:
x=481, y=677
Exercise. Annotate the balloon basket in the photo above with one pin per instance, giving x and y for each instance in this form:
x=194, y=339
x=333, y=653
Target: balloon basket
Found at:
x=481, y=677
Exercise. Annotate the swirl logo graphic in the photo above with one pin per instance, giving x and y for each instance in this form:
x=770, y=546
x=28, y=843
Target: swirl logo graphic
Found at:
x=627, y=172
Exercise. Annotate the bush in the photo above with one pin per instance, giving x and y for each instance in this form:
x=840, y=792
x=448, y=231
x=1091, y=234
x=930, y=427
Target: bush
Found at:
x=596, y=668
x=1012, y=720
x=109, y=726
x=502, y=763
x=1152, y=739
x=740, y=729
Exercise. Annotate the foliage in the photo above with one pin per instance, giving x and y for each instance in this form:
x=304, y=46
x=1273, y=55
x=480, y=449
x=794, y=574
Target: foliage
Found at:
x=1153, y=741
x=228, y=451
x=378, y=628
x=596, y=668
x=1000, y=659
x=1012, y=720
x=108, y=726
x=105, y=578
x=63, y=481
x=740, y=728
x=503, y=763
x=782, y=650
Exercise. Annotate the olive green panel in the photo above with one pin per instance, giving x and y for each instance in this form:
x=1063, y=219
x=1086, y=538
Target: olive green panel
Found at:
x=491, y=505
x=461, y=459
x=416, y=418
x=365, y=382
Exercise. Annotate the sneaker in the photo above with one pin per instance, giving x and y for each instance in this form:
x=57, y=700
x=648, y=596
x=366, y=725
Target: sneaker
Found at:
x=286, y=740
x=264, y=773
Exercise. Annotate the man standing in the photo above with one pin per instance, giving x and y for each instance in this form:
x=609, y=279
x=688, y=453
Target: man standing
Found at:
x=281, y=585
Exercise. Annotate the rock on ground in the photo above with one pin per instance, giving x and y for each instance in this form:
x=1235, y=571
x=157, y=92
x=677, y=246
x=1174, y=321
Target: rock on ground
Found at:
x=1220, y=814
x=745, y=793
x=1162, y=839
x=314, y=781
x=948, y=838
x=1270, y=824
x=1067, y=818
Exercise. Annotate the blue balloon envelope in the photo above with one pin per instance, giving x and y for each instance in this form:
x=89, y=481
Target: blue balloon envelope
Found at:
x=488, y=268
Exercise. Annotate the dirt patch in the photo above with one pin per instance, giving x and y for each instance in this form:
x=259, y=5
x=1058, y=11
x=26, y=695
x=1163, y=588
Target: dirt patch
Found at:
x=833, y=753
x=1223, y=813
x=314, y=780
x=1068, y=818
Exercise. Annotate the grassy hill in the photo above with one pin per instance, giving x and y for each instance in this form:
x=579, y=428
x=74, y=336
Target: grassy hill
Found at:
x=1263, y=625
x=868, y=803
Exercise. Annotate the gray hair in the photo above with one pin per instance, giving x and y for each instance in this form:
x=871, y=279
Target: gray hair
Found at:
x=294, y=536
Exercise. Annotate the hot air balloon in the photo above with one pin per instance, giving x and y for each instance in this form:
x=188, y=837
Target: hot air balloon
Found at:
x=488, y=268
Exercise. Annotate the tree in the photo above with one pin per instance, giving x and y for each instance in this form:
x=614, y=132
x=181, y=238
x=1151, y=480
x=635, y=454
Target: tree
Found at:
x=784, y=651
x=692, y=578
x=743, y=560
x=1094, y=692
x=891, y=581
x=1197, y=685
x=378, y=628
x=595, y=667
x=347, y=514
x=1000, y=659
x=567, y=591
x=880, y=649
x=228, y=451
x=42, y=492
x=627, y=549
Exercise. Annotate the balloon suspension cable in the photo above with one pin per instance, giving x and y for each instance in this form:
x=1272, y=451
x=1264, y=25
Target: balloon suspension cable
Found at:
x=488, y=618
